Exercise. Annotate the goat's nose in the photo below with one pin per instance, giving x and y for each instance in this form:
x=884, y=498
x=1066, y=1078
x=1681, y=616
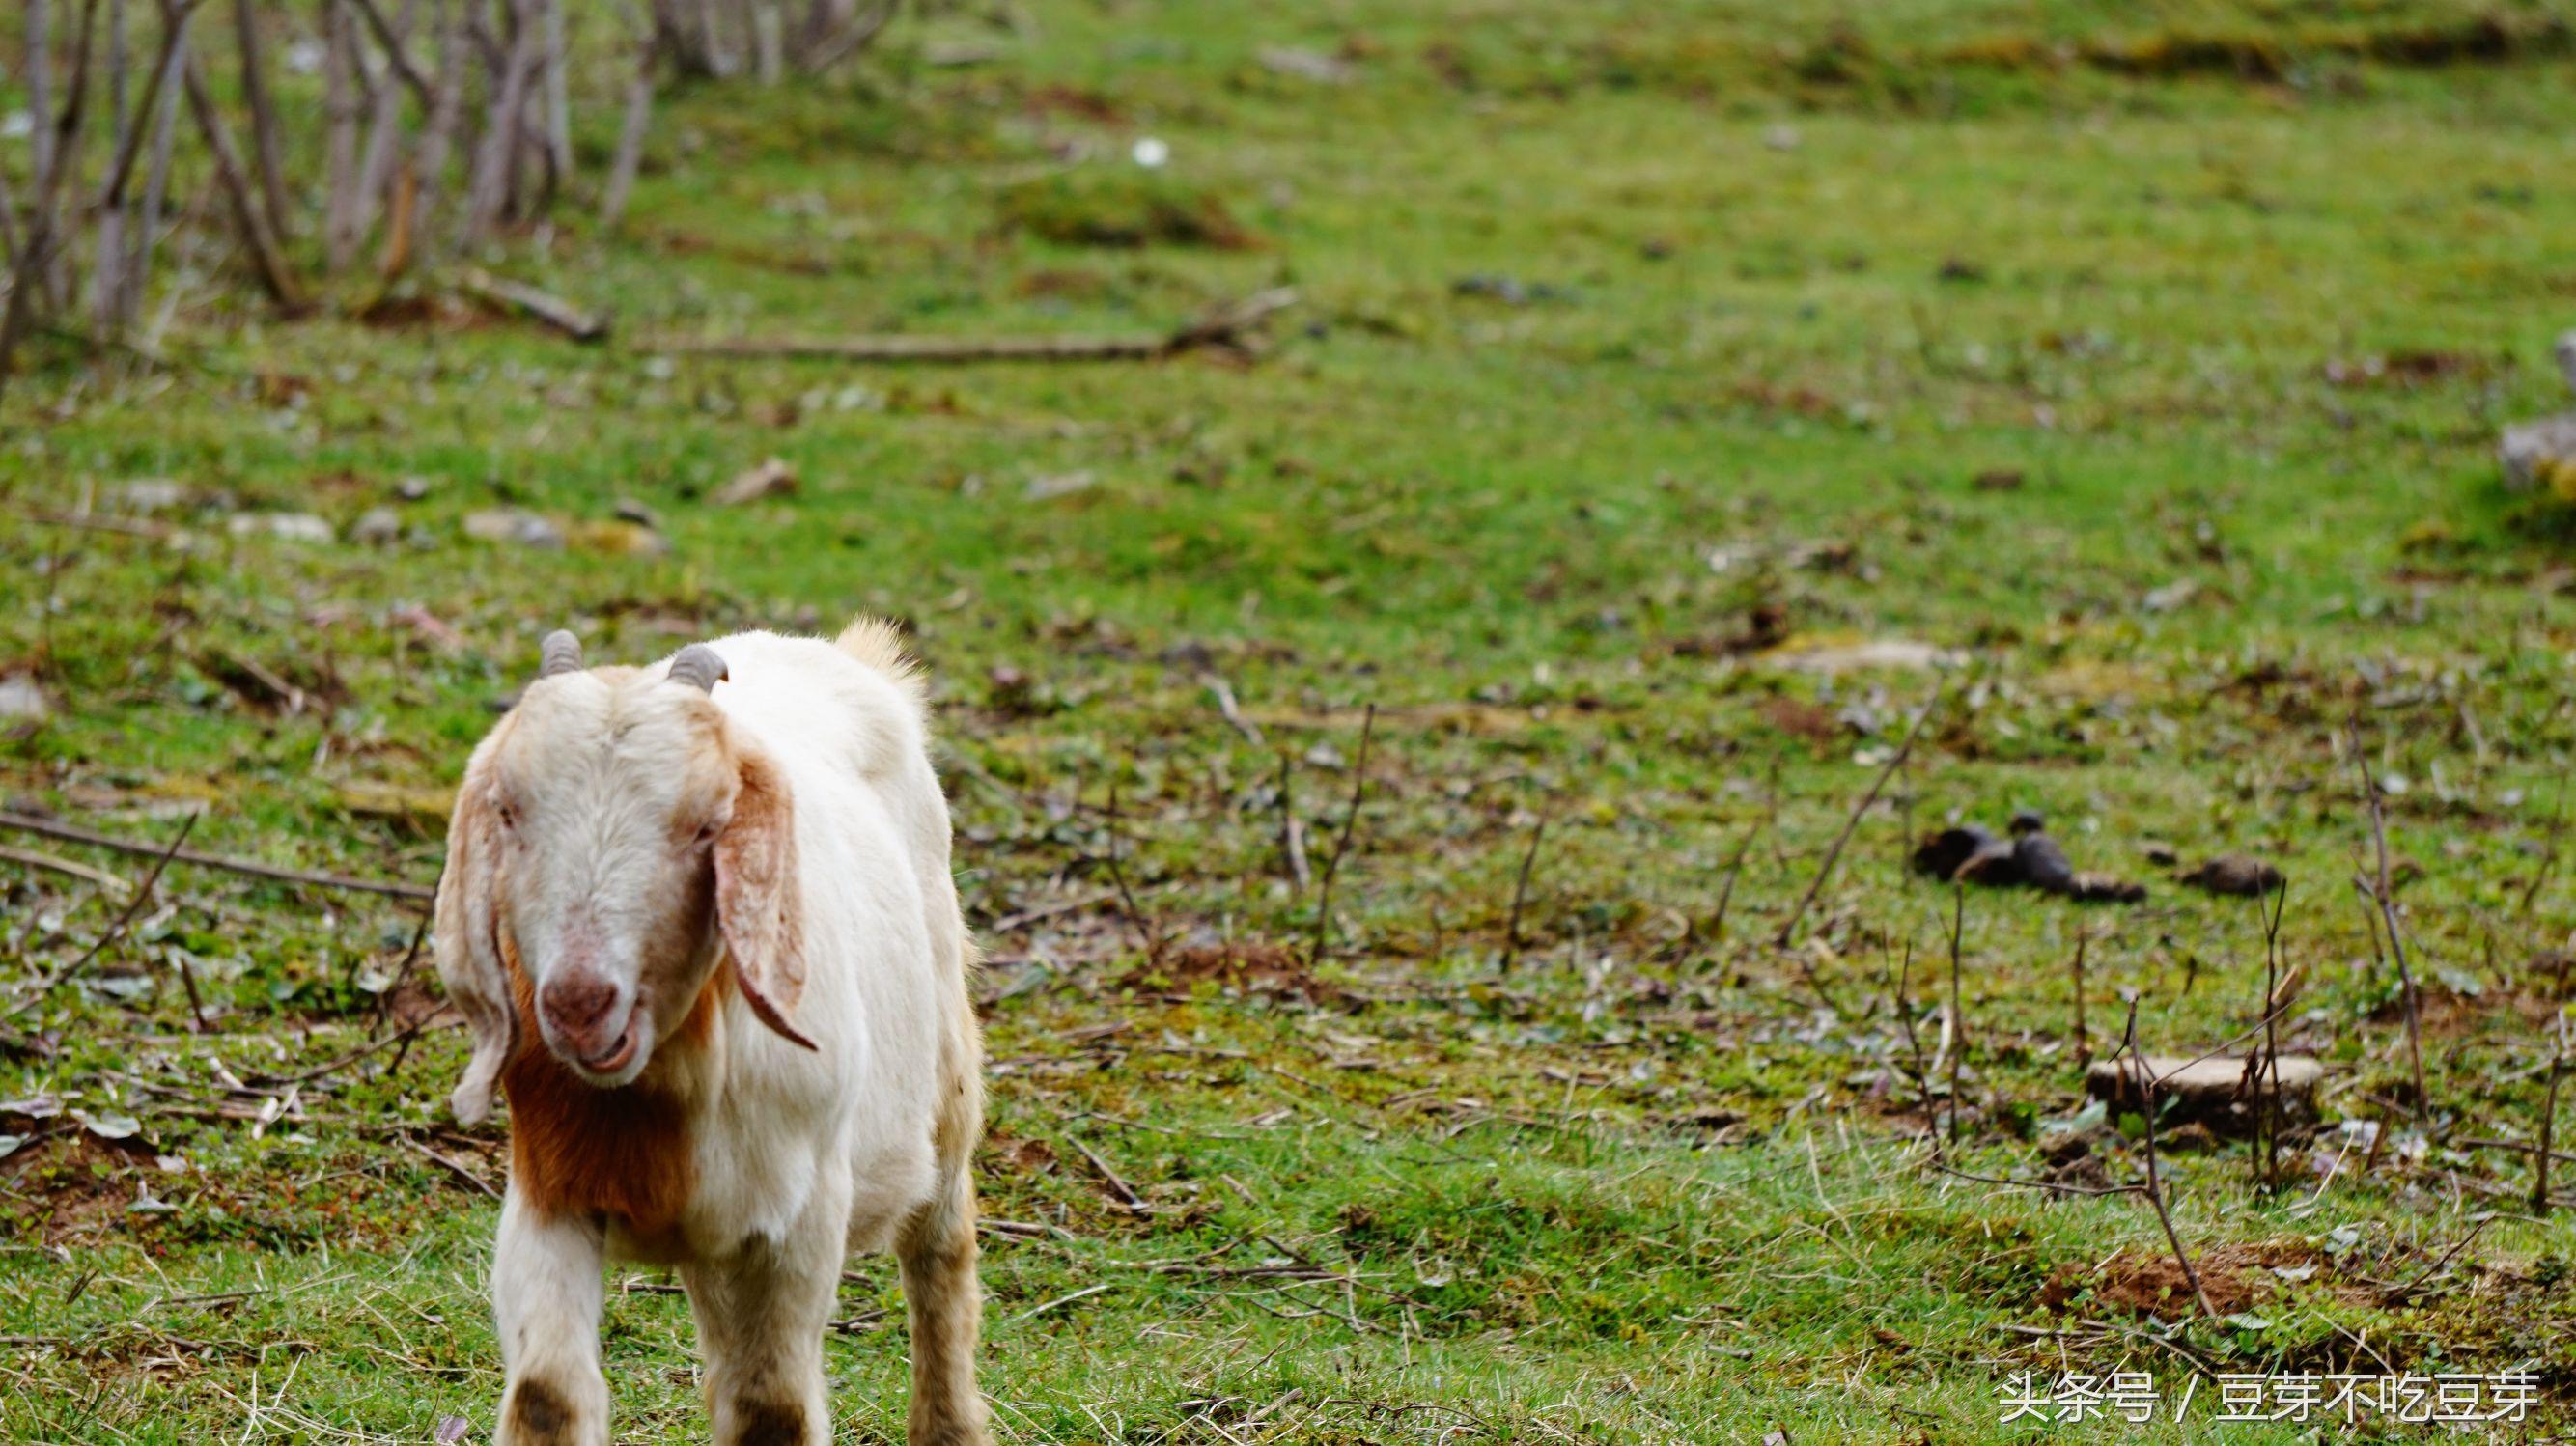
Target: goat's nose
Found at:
x=578, y=1006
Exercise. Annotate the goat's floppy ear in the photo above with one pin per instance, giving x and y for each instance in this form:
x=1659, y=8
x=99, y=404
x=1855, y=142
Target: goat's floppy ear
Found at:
x=469, y=943
x=758, y=905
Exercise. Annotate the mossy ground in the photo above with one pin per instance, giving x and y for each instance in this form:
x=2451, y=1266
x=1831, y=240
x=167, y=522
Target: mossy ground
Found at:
x=2146, y=360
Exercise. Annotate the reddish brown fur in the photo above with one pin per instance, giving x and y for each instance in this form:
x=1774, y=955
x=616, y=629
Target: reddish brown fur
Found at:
x=576, y=1149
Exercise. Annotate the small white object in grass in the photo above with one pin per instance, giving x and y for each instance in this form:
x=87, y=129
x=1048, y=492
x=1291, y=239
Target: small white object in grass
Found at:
x=285, y=526
x=1151, y=152
x=23, y=697
x=107, y=1124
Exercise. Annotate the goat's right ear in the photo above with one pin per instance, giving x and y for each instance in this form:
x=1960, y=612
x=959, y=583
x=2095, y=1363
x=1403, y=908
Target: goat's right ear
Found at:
x=467, y=929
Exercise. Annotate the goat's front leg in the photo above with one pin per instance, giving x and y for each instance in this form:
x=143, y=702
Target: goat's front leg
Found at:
x=761, y=1315
x=545, y=1302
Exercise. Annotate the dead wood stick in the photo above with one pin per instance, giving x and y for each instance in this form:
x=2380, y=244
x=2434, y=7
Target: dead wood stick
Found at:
x=1116, y=1182
x=1150, y=931
x=1292, y=830
x=1226, y=326
x=2051, y=1186
x=2540, y=1156
x=1520, y=894
x=115, y=931
x=73, y=833
x=2155, y=1180
x=36, y=860
x=1789, y=931
x=1342, y=845
x=1229, y=708
x=2384, y=895
x=2517, y=1146
x=1735, y=864
x=2397, y=1295
x=2083, y=1039
x=528, y=301
x=449, y=1163
x=1955, y=1025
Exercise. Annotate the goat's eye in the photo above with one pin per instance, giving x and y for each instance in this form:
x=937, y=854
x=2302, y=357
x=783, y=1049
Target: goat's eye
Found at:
x=509, y=817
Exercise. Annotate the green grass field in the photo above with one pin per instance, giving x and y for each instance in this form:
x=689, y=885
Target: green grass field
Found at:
x=2140, y=365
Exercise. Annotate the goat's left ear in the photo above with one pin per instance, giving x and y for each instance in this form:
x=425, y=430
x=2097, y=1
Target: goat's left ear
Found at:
x=759, y=908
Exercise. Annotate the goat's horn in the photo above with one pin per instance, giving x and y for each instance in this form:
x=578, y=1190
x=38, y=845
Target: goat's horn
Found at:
x=560, y=653
x=698, y=666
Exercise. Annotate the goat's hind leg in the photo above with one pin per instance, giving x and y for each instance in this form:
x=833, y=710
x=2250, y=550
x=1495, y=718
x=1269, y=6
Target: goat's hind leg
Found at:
x=545, y=1304
x=946, y=1305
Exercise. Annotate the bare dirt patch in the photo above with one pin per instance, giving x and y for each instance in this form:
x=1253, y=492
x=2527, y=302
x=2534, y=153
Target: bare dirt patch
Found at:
x=2153, y=1284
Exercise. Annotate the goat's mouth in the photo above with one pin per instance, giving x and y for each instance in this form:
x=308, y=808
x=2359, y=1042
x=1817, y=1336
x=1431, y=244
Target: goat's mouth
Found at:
x=622, y=1053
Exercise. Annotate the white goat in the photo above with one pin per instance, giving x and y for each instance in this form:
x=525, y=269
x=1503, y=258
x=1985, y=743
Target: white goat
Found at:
x=708, y=945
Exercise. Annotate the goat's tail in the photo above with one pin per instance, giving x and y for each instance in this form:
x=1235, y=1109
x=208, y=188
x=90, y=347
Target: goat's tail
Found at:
x=878, y=643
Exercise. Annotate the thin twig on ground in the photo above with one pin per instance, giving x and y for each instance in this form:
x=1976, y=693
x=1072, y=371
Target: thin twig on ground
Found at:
x=544, y=307
x=1520, y=896
x=115, y=931
x=1228, y=327
x=1735, y=870
x=1145, y=929
x=73, y=833
x=69, y=868
x=1958, y=1023
x=1789, y=930
x=1229, y=708
x=1342, y=844
x=2385, y=895
x=2083, y=1037
x=2548, y=1121
x=2152, y=1090
x=1292, y=829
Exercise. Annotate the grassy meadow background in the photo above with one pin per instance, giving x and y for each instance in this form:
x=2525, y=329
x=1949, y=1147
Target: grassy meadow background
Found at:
x=1668, y=385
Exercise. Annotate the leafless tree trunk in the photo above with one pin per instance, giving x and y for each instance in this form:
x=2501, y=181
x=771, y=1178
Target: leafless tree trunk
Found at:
x=107, y=266
x=630, y=132
x=37, y=253
x=342, y=103
x=263, y=118
x=488, y=191
x=117, y=281
x=442, y=121
x=276, y=277
x=68, y=145
x=384, y=131
x=558, y=93
x=175, y=15
x=769, y=41
x=835, y=30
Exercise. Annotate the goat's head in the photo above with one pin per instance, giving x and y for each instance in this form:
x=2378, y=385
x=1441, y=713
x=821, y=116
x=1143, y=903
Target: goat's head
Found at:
x=615, y=837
